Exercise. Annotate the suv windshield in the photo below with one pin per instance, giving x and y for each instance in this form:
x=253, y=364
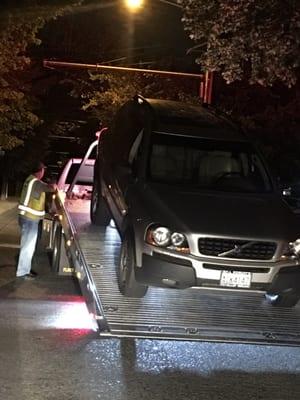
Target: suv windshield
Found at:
x=206, y=163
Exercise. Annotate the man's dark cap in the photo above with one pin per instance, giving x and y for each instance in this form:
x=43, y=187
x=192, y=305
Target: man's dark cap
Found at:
x=38, y=167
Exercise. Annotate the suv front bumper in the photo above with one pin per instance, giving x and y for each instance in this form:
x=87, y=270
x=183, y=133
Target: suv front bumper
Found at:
x=164, y=270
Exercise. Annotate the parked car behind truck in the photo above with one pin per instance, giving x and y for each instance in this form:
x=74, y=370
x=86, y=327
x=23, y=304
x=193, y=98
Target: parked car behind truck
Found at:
x=84, y=181
x=194, y=203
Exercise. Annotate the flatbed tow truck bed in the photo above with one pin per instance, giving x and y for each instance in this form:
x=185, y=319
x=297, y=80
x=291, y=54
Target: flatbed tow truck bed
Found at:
x=190, y=314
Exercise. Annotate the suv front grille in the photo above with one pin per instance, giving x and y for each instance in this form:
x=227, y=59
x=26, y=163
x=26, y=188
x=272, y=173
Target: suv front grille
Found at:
x=232, y=248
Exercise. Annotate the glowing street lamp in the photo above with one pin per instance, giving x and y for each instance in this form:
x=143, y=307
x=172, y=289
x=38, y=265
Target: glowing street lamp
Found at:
x=134, y=5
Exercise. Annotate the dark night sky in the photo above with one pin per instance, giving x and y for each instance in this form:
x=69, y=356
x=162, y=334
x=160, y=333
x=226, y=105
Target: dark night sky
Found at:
x=103, y=32
x=97, y=34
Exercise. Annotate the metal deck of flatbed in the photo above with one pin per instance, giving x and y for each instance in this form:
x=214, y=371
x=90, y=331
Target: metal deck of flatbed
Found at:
x=192, y=314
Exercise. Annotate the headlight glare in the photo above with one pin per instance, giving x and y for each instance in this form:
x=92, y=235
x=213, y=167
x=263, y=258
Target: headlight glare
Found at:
x=177, y=239
x=161, y=236
x=295, y=247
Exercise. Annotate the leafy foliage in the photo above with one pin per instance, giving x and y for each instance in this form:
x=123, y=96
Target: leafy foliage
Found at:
x=103, y=94
x=256, y=39
x=270, y=115
x=18, y=31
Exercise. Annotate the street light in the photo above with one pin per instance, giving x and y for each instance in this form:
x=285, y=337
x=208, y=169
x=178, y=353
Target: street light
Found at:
x=134, y=5
x=207, y=84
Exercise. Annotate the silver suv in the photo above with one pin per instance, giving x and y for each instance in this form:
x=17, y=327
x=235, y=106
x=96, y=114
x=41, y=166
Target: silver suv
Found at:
x=194, y=204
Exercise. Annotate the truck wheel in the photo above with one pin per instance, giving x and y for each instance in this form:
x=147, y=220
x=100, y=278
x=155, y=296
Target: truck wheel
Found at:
x=99, y=212
x=282, y=300
x=56, y=249
x=128, y=286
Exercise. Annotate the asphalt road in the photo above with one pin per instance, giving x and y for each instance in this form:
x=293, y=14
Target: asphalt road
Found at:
x=48, y=350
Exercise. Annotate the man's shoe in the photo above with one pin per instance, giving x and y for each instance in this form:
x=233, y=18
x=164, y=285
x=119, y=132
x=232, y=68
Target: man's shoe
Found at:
x=33, y=273
x=29, y=277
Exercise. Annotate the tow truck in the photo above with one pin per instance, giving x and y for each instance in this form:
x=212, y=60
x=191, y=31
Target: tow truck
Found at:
x=90, y=253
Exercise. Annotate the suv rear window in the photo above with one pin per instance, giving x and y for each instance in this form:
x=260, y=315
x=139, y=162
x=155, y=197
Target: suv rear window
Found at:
x=205, y=163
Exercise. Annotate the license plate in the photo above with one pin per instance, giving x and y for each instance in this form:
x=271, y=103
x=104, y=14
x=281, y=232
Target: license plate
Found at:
x=237, y=279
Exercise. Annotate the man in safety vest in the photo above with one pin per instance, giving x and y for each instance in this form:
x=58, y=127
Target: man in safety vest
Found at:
x=31, y=211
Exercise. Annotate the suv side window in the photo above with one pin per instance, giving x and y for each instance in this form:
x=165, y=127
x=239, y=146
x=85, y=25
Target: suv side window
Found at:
x=135, y=152
x=126, y=129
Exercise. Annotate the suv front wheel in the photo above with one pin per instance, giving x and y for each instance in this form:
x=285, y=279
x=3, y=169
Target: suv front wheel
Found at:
x=128, y=286
x=282, y=300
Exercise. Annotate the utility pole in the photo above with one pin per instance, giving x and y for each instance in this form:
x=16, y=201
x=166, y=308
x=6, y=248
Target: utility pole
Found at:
x=205, y=80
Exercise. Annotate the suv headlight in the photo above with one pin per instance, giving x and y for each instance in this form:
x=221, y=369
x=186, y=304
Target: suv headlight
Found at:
x=292, y=250
x=295, y=247
x=162, y=236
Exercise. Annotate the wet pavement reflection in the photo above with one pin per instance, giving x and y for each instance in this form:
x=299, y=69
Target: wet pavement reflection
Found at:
x=49, y=350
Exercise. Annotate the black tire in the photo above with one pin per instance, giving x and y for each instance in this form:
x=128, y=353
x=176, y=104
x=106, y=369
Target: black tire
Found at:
x=128, y=286
x=56, y=249
x=99, y=212
x=282, y=300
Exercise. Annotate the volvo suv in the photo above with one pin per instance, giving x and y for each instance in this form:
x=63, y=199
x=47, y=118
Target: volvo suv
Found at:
x=194, y=203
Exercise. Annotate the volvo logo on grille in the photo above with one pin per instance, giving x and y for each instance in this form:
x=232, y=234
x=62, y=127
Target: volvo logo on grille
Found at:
x=236, y=250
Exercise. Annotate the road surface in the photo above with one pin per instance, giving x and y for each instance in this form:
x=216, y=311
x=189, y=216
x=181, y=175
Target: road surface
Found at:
x=49, y=350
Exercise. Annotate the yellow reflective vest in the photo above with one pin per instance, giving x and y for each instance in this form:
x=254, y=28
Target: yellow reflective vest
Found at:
x=32, y=202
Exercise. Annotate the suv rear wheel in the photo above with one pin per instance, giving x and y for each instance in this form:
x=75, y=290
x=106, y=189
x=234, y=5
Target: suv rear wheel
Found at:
x=99, y=212
x=282, y=300
x=128, y=286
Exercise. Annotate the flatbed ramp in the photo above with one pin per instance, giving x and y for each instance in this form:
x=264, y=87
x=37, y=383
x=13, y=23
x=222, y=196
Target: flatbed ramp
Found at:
x=190, y=314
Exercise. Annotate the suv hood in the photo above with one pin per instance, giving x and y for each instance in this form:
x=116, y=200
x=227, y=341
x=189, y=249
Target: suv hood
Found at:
x=258, y=216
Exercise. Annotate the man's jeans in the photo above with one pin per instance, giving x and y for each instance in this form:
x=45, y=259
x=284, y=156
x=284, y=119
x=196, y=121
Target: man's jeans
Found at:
x=29, y=234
